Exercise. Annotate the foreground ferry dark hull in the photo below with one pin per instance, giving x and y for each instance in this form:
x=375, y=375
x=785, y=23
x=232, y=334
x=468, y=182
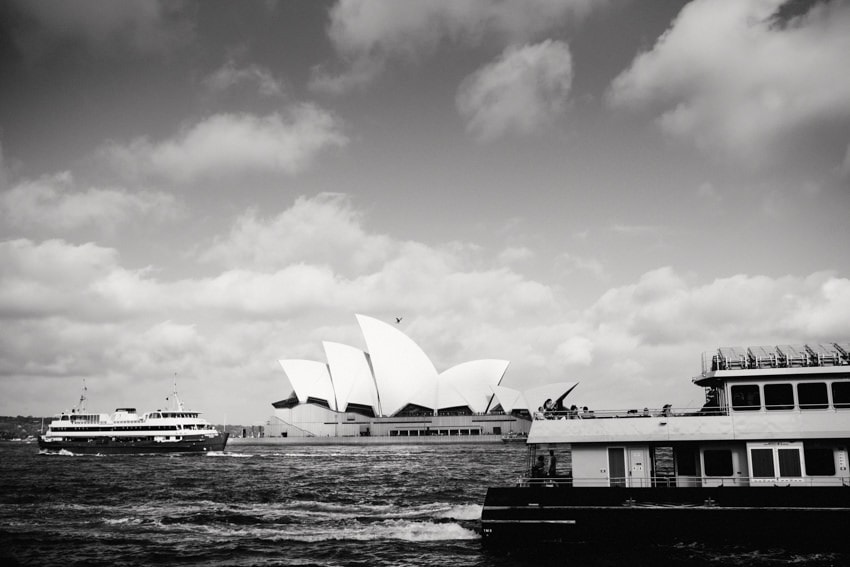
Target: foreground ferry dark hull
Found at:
x=760, y=515
x=108, y=446
x=765, y=460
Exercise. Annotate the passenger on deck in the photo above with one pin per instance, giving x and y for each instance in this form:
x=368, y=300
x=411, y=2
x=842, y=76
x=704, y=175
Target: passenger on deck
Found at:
x=552, y=471
x=573, y=412
x=548, y=408
x=537, y=470
x=539, y=413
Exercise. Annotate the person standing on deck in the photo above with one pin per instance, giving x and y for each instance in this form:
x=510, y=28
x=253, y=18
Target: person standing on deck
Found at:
x=553, y=464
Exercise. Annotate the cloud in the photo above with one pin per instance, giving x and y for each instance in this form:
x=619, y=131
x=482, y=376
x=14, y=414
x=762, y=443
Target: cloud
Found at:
x=525, y=89
x=232, y=144
x=323, y=230
x=367, y=34
x=515, y=254
x=53, y=278
x=55, y=203
x=574, y=263
x=229, y=76
x=730, y=78
x=73, y=310
x=663, y=308
x=146, y=26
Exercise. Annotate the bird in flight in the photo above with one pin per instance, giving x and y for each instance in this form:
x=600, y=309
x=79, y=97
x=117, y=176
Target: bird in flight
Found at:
x=398, y=320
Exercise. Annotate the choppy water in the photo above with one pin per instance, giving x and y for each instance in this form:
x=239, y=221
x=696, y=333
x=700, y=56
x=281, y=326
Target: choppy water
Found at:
x=286, y=505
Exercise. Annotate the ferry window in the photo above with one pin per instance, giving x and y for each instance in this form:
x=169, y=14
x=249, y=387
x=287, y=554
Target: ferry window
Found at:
x=819, y=461
x=778, y=396
x=812, y=395
x=686, y=462
x=762, y=460
x=746, y=397
x=717, y=462
x=841, y=394
x=789, y=462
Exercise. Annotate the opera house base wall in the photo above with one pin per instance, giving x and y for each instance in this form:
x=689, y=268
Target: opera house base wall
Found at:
x=314, y=421
x=366, y=441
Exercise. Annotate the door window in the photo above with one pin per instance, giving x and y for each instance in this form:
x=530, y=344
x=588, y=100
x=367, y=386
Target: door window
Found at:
x=762, y=460
x=789, y=463
x=617, y=466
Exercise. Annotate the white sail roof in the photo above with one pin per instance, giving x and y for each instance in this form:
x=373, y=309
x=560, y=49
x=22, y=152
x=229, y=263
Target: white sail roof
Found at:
x=351, y=376
x=468, y=384
x=394, y=373
x=310, y=379
x=403, y=372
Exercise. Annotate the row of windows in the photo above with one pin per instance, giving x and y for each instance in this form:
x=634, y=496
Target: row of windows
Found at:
x=818, y=462
x=120, y=428
x=425, y=432
x=810, y=395
x=172, y=414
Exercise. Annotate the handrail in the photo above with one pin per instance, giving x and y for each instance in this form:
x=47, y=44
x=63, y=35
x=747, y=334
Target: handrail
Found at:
x=686, y=412
x=665, y=411
x=681, y=481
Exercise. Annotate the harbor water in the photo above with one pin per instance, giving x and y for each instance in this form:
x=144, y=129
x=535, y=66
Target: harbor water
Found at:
x=294, y=505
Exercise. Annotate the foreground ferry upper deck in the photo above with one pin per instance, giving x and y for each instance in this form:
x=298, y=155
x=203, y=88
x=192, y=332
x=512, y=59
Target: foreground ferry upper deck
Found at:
x=765, y=457
x=162, y=431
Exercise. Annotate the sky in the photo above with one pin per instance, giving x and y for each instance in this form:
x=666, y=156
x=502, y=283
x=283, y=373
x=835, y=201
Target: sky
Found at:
x=597, y=191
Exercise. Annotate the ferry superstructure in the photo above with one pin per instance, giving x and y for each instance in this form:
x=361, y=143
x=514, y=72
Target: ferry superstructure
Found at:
x=765, y=458
x=162, y=431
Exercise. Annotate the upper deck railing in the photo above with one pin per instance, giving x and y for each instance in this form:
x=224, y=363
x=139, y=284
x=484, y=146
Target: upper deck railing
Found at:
x=673, y=481
x=665, y=411
x=781, y=356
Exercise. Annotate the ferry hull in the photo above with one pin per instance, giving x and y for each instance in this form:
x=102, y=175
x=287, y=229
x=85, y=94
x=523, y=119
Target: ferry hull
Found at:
x=108, y=446
x=791, y=516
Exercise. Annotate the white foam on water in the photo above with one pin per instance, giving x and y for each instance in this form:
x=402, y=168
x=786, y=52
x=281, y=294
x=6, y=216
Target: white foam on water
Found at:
x=229, y=454
x=462, y=512
x=402, y=530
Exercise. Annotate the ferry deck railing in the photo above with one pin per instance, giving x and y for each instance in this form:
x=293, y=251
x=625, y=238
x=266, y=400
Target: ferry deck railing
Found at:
x=780, y=356
x=664, y=411
x=681, y=481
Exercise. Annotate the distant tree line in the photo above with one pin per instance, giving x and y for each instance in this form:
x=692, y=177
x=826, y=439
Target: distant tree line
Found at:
x=20, y=427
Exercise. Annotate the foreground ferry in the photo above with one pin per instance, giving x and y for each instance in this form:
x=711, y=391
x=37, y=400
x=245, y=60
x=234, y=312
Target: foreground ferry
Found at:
x=764, y=460
x=125, y=432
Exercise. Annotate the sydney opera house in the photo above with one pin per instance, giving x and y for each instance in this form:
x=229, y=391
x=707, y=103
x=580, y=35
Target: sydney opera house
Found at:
x=394, y=390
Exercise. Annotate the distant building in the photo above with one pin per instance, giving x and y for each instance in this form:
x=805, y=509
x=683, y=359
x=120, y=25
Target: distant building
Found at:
x=394, y=390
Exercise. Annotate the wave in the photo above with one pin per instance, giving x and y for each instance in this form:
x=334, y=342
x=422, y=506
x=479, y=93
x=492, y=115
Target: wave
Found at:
x=59, y=453
x=230, y=454
x=389, y=530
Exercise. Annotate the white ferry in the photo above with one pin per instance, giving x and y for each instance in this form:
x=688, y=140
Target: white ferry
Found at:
x=764, y=460
x=162, y=431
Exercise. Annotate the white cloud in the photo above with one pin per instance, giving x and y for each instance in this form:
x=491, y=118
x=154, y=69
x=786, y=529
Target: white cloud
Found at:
x=323, y=230
x=575, y=351
x=514, y=254
x=522, y=91
x=73, y=310
x=733, y=80
x=844, y=170
x=55, y=203
x=369, y=33
x=574, y=263
x=232, y=144
x=230, y=75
